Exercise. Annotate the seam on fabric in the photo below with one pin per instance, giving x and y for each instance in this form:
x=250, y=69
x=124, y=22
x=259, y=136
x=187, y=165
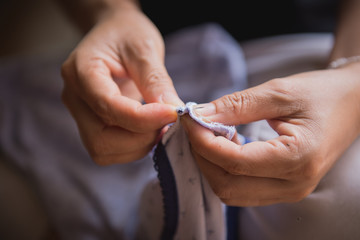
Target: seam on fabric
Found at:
x=169, y=192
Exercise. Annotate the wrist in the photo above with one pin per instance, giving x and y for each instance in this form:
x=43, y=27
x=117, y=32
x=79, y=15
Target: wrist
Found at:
x=352, y=77
x=93, y=11
x=112, y=7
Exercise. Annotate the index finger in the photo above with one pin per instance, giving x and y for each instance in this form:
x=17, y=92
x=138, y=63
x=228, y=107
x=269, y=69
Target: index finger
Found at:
x=274, y=158
x=95, y=85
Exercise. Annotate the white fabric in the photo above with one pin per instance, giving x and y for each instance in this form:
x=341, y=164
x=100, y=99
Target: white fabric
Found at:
x=201, y=214
x=217, y=128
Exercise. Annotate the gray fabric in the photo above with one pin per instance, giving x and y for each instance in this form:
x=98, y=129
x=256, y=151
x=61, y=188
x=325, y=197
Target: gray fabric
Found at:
x=85, y=201
x=82, y=200
x=201, y=213
x=38, y=136
x=205, y=63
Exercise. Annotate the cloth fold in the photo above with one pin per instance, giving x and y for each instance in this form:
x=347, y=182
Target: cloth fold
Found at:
x=86, y=201
x=191, y=209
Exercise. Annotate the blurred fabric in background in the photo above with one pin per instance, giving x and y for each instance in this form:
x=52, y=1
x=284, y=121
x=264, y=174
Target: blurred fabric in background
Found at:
x=29, y=30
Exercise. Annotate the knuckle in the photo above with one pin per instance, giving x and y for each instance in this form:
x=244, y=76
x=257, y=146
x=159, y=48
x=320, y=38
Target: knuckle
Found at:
x=137, y=126
x=237, y=102
x=68, y=67
x=66, y=70
x=304, y=170
x=94, y=68
x=88, y=67
x=281, y=85
x=149, y=140
x=243, y=202
x=311, y=171
x=285, y=94
x=283, y=89
x=222, y=193
x=106, y=160
x=292, y=149
x=308, y=165
x=157, y=78
x=234, y=168
x=143, y=142
x=291, y=156
x=97, y=147
x=227, y=202
x=299, y=195
x=100, y=160
x=104, y=153
x=98, y=144
x=141, y=48
x=222, y=190
x=102, y=107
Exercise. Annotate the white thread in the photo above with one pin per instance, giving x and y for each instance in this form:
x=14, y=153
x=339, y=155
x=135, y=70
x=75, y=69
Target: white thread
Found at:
x=217, y=128
x=343, y=61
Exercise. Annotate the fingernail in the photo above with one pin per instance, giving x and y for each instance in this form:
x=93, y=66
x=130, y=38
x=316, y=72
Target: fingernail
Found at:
x=205, y=110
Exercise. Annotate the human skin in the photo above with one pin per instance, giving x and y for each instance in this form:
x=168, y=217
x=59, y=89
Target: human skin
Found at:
x=120, y=61
x=117, y=65
x=316, y=115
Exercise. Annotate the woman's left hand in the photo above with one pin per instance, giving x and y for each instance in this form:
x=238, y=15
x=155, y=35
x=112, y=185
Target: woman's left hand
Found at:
x=317, y=117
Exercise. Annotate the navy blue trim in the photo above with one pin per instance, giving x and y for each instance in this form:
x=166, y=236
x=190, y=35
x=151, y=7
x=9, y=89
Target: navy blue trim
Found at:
x=169, y=191
x=232, y=217
x=232, y=222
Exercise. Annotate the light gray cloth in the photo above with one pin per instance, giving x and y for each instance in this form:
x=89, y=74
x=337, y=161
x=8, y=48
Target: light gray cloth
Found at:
x=85, y=201
x=82, y=200
x=38, y=136
x=201, y=213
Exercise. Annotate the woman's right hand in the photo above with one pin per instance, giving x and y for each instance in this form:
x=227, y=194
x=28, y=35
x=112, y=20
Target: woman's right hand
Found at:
x=117, y=65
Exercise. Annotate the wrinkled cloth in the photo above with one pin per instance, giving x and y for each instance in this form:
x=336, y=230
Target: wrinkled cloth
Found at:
x=86, y=201
x=39, y=137
x=190, y=209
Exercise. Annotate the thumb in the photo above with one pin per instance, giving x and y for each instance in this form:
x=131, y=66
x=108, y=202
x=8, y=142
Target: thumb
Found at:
x=253, y=104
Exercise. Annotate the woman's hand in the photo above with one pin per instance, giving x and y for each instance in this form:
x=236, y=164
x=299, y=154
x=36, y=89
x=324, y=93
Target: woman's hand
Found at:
x=317, y=117
x=117, y=65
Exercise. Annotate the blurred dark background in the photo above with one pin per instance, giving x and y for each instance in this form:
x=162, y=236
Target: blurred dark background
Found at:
x=34, y=27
